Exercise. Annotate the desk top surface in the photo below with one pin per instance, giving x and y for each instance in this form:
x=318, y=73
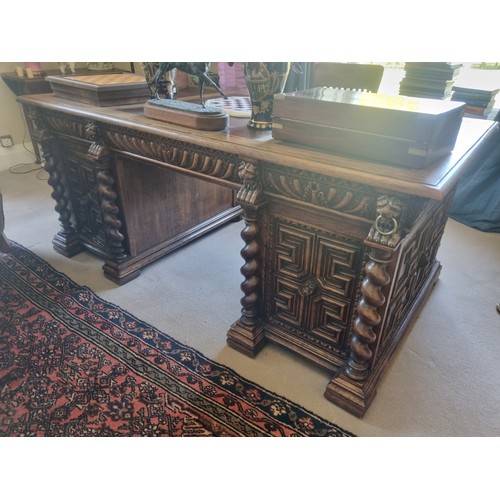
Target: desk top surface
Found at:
x=434, y=182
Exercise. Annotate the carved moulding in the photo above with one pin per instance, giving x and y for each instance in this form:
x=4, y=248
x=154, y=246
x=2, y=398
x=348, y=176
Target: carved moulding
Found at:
x=63, y=124
x=346, y=197
x=176, y=153
x=149, y=146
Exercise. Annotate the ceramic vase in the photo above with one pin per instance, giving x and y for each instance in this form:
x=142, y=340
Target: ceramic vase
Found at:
x=263, y=80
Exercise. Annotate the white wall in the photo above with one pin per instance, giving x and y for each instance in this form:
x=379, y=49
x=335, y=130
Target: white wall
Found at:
x=11, y=118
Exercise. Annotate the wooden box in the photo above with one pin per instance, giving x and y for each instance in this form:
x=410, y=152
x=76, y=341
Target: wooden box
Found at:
x=115, y=89
x=399, y=130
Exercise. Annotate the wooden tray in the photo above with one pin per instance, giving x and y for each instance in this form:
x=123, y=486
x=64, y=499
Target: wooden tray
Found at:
x=115, y=89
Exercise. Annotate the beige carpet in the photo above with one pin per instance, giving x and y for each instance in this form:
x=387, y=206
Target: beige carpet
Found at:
x=444, y=381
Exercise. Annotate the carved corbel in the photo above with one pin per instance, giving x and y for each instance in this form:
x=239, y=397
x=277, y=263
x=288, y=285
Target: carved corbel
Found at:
x=98, y=148
x=251, y=188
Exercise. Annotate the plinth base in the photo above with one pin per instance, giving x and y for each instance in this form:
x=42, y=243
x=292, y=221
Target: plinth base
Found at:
x=187, y=114
x=248, y=340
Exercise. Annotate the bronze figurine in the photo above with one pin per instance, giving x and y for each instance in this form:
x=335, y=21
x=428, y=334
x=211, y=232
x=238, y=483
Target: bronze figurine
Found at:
x=198, y=69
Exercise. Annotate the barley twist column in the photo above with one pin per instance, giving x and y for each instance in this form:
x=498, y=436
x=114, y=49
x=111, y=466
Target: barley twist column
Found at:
x=250, y=270
x=246, y=334
x=66, y=240
x=111, y=211
x=367, y=314
x=118, y=266
x=354, y=388
x=100, y=155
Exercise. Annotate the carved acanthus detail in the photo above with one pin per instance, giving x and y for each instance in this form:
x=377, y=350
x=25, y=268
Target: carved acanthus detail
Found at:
x=60, y=123
x=176, y=153
x=320, y=190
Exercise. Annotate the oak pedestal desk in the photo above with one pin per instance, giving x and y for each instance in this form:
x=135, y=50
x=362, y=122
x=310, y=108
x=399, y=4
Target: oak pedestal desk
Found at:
x=339, y=253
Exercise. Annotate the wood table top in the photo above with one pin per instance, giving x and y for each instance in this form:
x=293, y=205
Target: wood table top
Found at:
x=475, y=139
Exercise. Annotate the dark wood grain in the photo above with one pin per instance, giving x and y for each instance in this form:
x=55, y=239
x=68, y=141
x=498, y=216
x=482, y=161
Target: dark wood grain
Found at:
x=339, y=254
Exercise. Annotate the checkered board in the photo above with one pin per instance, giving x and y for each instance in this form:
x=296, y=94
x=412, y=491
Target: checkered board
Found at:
x=238, y=106
x=111, y=79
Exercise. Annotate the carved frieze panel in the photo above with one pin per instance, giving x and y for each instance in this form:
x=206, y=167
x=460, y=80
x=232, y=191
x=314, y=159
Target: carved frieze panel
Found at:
x=176, y=153
x=150, y=146
x=64, y=124
x=336, y=194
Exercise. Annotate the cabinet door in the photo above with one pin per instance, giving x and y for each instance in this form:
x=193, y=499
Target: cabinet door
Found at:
x=312, y=279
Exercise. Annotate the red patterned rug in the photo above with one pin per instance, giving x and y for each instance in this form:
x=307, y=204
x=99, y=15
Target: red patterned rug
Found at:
x=72, y=364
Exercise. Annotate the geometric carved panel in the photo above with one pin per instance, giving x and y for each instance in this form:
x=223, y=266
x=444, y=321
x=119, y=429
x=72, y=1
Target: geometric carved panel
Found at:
x=86, y=208
x=293, y=249
x=415, y=265
x=329, y=316
x=288, y=302
x=337, y=266
x=312, y=279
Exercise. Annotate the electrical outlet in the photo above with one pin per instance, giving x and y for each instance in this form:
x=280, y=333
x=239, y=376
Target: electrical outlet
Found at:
x=6, y=141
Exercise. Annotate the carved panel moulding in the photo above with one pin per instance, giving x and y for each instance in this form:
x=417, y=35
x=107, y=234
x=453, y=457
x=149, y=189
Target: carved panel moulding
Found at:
x=417, y=261
x=285, y=263
x=320, y=344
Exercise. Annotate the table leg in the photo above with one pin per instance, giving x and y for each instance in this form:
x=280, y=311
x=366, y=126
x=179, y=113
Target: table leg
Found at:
x=247, y=334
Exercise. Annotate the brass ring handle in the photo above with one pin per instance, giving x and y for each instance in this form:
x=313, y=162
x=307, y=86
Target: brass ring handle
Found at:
x=386, y=233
